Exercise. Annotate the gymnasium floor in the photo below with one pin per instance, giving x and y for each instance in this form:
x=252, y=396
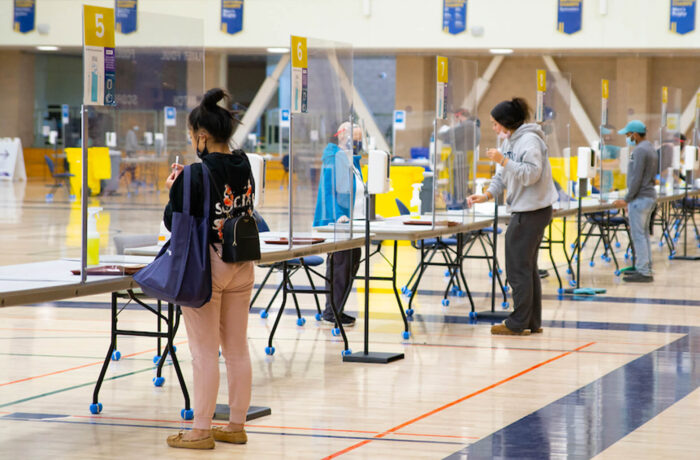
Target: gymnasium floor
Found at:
x=612, y=376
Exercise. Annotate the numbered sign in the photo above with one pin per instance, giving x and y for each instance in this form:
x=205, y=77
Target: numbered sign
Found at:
x=300, y=75
x=441, y=94
x=664, y=105
x=98, y=56
x=65, y=114
x=605, y=90
x=541, y=89
x=170, y=116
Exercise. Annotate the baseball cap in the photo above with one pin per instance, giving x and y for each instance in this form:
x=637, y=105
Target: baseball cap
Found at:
x=634, y=126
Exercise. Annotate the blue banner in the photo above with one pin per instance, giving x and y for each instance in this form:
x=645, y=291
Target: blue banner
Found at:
x=231, y=16
x=125, y=15
x=25, y=12
x=682, y=16
x=569, y=16
x=454, y=16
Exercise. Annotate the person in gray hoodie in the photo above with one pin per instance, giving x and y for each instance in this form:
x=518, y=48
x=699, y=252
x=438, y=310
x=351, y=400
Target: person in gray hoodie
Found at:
x=524, y=171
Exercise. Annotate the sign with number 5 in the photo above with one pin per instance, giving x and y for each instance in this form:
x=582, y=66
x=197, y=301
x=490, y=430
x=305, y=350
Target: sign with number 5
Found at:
x=98, y=56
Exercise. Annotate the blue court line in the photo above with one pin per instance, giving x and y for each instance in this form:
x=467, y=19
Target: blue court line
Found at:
x=39, y=418
x=584, y=423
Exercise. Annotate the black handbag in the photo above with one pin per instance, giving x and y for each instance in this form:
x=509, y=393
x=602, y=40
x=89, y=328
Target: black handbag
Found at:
x=241, y=240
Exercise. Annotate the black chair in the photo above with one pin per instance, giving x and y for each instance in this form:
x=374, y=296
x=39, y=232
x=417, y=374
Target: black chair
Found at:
x=285, y=167
x=59, y=178
x=293, y=265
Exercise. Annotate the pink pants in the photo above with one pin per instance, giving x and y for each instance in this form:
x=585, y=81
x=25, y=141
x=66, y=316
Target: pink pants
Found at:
x=221, y=322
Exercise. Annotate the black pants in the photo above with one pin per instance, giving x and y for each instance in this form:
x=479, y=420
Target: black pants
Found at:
x=523, y=239
x=345, y=266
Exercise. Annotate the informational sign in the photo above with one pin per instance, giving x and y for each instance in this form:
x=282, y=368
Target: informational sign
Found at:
x=98, y=56
x=231, y=16
x=25, y=14
x=284, y=118
x=664, y=105
x=170, y=116
x=300, y=75
x=569, y=16
x=454, y=16
x=399, y=120
x=441, y=89
x=541, y=89
x=125, y=15
x=65, y=114
x=11, y=159
x=604, y=103
x=682, y=19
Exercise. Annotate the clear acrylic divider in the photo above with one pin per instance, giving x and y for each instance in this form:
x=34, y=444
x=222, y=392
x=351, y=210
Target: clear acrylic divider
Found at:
x=556, y=124
x=457, y=142
x=322, y=182
x=668, y=140
x=614, y=151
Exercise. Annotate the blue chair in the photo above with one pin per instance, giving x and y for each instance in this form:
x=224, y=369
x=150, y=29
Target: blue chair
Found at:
x=293, y=266
x=59, y=178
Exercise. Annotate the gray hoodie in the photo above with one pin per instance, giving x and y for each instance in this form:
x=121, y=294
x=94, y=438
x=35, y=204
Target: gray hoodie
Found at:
x=641, y=171
x=527, y=175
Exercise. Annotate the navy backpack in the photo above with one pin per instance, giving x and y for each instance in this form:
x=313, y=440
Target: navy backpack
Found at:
x=181, y=272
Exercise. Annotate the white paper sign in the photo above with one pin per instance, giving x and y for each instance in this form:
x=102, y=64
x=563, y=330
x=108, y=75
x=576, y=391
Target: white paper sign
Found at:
x=170, y=115
x=12, y=160
x=399, y=120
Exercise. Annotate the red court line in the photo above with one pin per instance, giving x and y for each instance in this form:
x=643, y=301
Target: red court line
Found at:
x=440, y=345
x=79, y=367
x=455, y=402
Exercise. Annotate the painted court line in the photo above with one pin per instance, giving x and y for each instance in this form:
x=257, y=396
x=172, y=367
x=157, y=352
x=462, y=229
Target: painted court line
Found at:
x=460, y=400
x=78, y=367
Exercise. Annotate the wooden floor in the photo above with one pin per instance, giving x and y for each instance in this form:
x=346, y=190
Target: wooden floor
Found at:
x=612, y=376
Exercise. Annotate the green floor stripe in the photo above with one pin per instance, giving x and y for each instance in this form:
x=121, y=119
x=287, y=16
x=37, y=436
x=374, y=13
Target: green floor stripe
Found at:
x=76, y=386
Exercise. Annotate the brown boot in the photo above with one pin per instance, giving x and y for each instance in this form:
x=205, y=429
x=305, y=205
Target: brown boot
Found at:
x=502, y=329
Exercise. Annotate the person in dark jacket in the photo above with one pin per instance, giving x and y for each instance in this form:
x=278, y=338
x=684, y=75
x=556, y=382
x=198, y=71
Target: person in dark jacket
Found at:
x=223, y=321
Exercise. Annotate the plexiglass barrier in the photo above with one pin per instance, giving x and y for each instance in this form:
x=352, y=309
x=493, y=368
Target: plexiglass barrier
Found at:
x=323, y=184
x=668, y=137
x=456, y=142
x=555, y=120
x=614, y=151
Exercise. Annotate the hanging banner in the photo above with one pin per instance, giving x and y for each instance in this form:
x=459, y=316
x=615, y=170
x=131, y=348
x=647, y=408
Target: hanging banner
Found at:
x=98, y=56
x=300, y=75
x=441, y=95
x=231, y=16
x=541, y=89
x=569, y=16
x=125, y=15
x=25, y=12
x=454, y=16
x=606, y=95
x=682, y=18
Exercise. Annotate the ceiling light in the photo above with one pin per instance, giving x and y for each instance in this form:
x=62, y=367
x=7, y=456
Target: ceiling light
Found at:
x=278, y=50
x=501, y=51
x=47, y=48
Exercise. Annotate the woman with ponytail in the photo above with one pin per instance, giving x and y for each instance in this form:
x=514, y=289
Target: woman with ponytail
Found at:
x=524, y=171
x=223, y=321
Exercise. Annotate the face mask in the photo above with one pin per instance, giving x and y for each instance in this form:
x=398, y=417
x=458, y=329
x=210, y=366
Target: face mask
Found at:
x=631, y=142
x=503, y=135
x=356, y=147
x=204, y=151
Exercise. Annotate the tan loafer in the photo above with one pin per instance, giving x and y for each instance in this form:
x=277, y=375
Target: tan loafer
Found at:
x=502, y=329
x=537, y=331
x=234, y=437
x=177, y=441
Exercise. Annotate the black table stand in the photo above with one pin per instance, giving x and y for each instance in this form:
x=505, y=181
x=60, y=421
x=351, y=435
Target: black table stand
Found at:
x=687, y=208
x=493, y=314
x=365, y=356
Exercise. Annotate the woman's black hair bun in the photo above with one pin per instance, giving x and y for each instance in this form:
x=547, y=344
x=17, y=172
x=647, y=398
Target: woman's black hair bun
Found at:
x=521, y=104
x=212, y=98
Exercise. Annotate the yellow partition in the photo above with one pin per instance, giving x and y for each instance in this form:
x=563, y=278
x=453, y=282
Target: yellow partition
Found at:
x=402, y=179
x=558, y=170
x=99, y=168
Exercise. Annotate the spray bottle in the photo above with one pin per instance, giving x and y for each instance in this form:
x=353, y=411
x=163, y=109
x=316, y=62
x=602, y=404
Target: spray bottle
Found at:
x=93, y=237
x=415, y=203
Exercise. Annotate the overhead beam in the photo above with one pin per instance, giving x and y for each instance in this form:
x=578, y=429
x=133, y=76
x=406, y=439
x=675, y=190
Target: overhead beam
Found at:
x=688, y=115
x=484, y=82
x=577, y=111
x=263, y=97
